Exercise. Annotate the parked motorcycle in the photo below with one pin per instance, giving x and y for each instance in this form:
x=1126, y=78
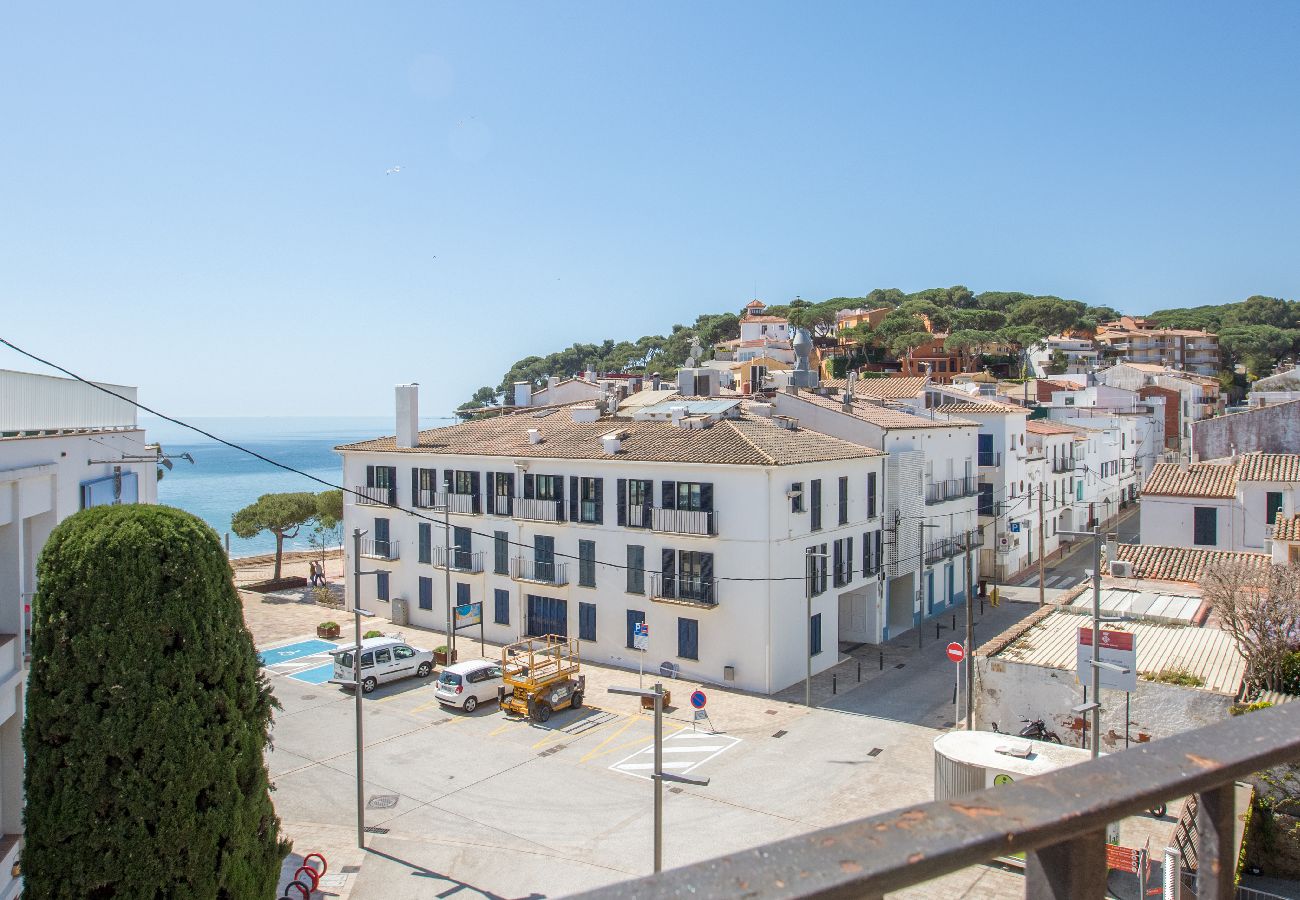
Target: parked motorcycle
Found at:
x=1035, y=730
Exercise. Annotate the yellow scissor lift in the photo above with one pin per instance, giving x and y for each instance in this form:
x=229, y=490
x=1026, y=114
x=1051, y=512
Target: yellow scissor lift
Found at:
x=540, y=675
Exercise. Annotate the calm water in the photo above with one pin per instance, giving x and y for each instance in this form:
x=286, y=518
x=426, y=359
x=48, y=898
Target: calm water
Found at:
x=223, y=480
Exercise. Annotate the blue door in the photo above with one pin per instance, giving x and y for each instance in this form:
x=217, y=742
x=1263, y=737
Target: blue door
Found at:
x=547, y=615
x=951, y=587
x=381, y=537
x=929, y=592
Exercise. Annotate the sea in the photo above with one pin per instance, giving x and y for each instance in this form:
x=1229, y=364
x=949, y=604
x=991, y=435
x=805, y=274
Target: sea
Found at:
x=223, y=480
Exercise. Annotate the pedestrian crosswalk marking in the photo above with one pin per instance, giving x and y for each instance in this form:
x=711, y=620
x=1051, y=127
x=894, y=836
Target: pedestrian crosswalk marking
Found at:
x=688, y=751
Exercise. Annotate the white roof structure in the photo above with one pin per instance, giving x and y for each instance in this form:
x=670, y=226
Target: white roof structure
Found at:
x=1150, y=606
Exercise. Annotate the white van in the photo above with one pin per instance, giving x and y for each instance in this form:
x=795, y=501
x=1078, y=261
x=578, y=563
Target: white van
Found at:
x=383, y=659
x=467, y=684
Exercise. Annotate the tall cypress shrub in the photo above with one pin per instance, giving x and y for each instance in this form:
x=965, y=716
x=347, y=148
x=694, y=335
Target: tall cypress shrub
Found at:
x=146, y=718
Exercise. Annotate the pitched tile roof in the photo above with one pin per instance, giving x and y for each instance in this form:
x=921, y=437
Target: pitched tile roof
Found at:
x=888, y=388
x=747, y=440
x=1183, y=563
x=972, y=407
x=883, y=416
x=1047, y=426
x=1287, y=529
x=1219, y=477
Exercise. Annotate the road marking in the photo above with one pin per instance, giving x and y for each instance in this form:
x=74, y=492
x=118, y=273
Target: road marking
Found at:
x=677, y=744
x=423, y=706
x=596, y=751
x=502, y=728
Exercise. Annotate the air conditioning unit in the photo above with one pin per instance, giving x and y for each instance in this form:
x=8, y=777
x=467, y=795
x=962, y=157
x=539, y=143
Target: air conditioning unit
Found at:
x=1121, y=568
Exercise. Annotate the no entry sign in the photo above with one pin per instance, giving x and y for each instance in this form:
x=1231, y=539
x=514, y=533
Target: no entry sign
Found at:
x=955, y=652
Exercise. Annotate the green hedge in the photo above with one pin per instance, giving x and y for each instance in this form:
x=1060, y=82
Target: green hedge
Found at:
x=147, y=717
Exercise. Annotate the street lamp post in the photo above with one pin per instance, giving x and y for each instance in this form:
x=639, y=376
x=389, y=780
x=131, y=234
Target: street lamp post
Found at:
x=355, y=683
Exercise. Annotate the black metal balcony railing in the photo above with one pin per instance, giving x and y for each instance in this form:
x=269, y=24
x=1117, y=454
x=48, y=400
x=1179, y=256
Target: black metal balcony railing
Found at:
x=990, y=458
x=683, y=589
x=952, y=489
x=1063, y=464
x=379, y=549
x=537, y=510
x=461, y=560
x=545, y=572
x=1058, y=820
x=684, y=521
x=375, y=496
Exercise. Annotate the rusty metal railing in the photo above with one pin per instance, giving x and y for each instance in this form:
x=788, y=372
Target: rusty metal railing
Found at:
x=1059, y=820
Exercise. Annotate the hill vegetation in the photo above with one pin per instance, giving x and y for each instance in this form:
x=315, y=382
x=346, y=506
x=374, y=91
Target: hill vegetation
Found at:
x=1257, y=333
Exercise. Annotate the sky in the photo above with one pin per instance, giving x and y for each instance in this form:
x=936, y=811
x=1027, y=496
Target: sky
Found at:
x=196, y=199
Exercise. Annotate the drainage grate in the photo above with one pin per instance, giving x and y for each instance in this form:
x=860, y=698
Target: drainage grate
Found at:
x=350, y=870
x=556, y=749
x=875, y=751
x=780, y=733
x=382, y=801
x=375, y=829
x=900, y=665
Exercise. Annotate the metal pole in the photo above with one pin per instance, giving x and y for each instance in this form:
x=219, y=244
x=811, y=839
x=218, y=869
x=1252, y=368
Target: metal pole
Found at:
x=970, y=628
x=1127, y=698
x=1042, y=547
x=446, y=527
x=356, y=677
x=659, y=776
x=807, y=627
x=1096, y=641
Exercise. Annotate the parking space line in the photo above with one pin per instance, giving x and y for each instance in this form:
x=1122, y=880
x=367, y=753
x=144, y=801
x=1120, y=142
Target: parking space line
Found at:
x=632, y=743
x=499, y=729
x=595, y=751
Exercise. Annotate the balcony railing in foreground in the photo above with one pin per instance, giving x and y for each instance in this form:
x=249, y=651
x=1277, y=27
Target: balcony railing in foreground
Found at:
x=1058, y=820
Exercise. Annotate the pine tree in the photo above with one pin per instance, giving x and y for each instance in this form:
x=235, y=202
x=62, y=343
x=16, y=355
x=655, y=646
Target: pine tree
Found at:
x=147, y=718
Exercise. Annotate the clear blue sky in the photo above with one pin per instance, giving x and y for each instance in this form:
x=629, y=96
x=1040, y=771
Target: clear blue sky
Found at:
x=195, y=201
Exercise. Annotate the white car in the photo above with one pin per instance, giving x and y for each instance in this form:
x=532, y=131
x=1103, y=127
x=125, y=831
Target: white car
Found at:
x=383, y=659
x=465, y=685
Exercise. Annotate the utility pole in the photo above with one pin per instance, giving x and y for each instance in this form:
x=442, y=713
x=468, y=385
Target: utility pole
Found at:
x=809, y=579
x=1042, y=564
x=355, y=683
x=970, y=627
x=446, y=527
x=1094, y=706
x=659, y=776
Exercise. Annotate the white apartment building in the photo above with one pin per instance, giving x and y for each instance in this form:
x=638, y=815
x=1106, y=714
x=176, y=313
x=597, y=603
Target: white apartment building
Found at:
x=1144, y=442
x=1080, y=355
x=1228, y=504
x=694, y=516
x=931, y=475
x=64, y=446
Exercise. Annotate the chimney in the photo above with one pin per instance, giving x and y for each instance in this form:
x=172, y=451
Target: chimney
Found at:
x=408, y=415
x=612, y=442
x=590, y=375
x=551, y=382
x=523, y=393
x=655, y=379
x=534, y=435
x=588, y=412
x=676, y=414
x=846, y=402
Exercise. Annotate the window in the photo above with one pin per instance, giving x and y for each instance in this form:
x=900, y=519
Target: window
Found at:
x=587, y=563
x=383, y=657
x=590, y=500
x=634, y=618
x=381, y=477
x=501, y=553
x=635, y=569
x=1078, y=489
x=426, y=484
x=426, y=593
x=587, y=621
x=426, y=542
x=688, y=638
x=501, y=599
x=544, y=557
x=545, y=486
x=462, y=594
x=815, y=634
x=815, y=505
x=986, y=500
x=986, y=455
x=694, y=495
x=842, y=555
x=1272, y=506
x=403, y=652
x=796, y=497
x=1205, y=531
x=461, y=538
x=695, y=576
x=817, y=567
x=464, y=483
x=871, y=495
x=635, y=497
x=367, y=660
x=844, y=500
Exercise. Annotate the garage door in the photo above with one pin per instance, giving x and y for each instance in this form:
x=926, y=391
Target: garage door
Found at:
x=547, y=615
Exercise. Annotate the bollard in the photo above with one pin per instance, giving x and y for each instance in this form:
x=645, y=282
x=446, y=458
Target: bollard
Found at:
x=954, y=621
x=981, y=606
x=937, y=626
x=882, y=660
x=835, y=685
x=859, y=670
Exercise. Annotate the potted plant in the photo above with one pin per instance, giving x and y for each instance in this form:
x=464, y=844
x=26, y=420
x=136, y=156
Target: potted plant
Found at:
x=440, y=655
x=372, y=633
x=327, y=630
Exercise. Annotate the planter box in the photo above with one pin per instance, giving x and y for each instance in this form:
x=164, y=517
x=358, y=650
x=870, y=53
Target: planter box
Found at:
x=275, y=584
x=649, y=703
x=440, y=657
x=328, y=633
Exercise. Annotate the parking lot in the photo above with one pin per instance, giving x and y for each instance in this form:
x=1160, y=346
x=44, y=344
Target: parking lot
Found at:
x=519, y=809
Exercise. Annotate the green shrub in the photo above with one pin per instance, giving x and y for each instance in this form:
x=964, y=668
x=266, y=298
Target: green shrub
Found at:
x=1174, y=676
x=147, y=717
x=372, y=634
x=1240, y=709
x=328, y=625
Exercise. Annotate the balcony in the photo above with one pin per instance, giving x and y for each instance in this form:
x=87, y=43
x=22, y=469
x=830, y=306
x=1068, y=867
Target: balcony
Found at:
x=501, y=505
x=541, y=572
x=461, y=560
x=538, y=510
x=683, y=589
x=378, y=549
x=1065, y=464
x=465, y=504
x=375, y=496
x=673, y=521
x=990, y=459
x=952, y=489
x=1058, y=820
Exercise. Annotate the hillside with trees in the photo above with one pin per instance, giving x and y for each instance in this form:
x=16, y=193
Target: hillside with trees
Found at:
x=1256, y=333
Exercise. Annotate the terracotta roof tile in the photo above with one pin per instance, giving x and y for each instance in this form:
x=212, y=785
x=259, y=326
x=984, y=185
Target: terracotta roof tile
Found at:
x=1287, y=529
x=745, y=440
x=889, y=388
x=971, y=407
x=1182, y=563
x=1219, y=477
x=883, y=416
x=1047, y=426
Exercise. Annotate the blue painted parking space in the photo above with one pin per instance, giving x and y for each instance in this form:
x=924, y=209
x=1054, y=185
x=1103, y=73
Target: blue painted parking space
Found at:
x=290, y=652
x=318, y=675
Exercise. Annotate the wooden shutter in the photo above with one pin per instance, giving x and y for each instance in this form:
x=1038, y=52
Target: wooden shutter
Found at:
x=510, y=493
x=706, y=576
x=370, y=476
x=415, y=486
x=622, y=501
x=668, y=495
x=559, y=497
x=447, y=478
x=529, y=486
x=573, y=498
x=668, y=572
x=600, y=501
x=474, y=490
x=706, y=496
x=848, y=558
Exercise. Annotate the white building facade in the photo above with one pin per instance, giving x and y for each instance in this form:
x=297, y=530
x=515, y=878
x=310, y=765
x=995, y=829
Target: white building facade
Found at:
x=693, y=517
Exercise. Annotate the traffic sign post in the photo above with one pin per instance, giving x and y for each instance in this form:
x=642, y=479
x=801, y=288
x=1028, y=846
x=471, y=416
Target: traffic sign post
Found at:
x=640, y=641
x=956, y=652
x=698, y=700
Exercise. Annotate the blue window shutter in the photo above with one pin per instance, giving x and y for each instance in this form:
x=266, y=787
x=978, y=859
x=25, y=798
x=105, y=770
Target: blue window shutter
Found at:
x=573, y=498
x=815, y=634
x=622, y=501
x=426, y=593
x=381, y=585
x=600, y=501
x=688, y=638
x=462, y=593
x=668, y=495
x=502, y=616
x=529, y=489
